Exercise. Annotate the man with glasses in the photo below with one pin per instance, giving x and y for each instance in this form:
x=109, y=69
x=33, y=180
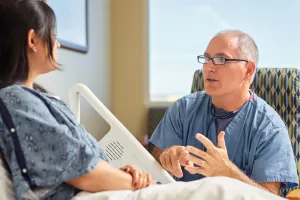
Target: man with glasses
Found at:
x=226, y=130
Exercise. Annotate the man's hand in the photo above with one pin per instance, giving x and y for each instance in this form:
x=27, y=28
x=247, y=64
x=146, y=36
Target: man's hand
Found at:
x=169, y=159
x=139, y=179
x=213, y=162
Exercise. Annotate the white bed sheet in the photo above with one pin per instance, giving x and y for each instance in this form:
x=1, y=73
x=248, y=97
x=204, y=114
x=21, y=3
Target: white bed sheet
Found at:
x=215, y=188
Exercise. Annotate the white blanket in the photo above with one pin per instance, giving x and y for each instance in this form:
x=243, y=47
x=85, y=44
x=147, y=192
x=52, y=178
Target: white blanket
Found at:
x=216, y=188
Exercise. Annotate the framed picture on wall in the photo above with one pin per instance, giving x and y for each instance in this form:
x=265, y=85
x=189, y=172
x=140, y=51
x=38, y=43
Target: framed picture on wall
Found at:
x=72, y=23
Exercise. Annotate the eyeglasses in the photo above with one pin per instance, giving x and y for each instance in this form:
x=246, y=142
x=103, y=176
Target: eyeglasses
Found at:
x=217, y=60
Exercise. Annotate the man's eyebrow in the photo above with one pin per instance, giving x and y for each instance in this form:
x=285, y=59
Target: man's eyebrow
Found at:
x=217, y=55
x=222, y=55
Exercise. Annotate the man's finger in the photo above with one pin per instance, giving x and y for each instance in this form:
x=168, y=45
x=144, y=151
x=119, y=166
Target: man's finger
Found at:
x=197, y=161
x=184, y=159
x=221, y=140
x=197, y=152
x=195, y=170
x=163, y=161
x=176, y=166
x=205, y=141
x=168, y=163
x=190, y=163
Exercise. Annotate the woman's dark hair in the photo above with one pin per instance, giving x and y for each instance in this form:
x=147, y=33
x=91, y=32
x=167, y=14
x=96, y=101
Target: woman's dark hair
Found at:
x=17, y=17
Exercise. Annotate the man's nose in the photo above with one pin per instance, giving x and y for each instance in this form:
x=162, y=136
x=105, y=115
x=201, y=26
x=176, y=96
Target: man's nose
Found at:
x=210, y=66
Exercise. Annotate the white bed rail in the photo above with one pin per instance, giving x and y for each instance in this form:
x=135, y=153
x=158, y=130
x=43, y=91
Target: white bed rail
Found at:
x=120, y=146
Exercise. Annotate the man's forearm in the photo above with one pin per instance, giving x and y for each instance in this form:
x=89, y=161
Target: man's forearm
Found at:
x=156, y=152
x=236, y=173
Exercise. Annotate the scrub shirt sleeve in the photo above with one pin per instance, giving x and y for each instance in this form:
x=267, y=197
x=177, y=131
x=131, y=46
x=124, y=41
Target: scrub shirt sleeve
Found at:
x=169, y=132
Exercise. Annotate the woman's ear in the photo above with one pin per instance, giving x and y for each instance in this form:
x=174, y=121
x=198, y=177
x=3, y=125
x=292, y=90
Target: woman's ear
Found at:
x=32, y=40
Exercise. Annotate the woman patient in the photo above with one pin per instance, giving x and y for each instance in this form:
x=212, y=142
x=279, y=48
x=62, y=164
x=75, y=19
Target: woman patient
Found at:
x=61, y=157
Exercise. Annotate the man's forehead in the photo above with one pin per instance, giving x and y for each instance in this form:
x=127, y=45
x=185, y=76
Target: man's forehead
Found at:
x=223, y=45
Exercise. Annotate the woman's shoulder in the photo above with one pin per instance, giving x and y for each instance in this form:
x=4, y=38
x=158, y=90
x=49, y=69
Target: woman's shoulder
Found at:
x=16, y=90
x=16, y=94
x=11, y=89
x=23, y=103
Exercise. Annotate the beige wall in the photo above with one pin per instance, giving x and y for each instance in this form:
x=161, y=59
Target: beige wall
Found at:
x=92, y=69
x=129, y=59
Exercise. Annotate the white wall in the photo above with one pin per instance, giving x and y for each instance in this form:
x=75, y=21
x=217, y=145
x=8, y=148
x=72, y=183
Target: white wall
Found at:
x=92, y=69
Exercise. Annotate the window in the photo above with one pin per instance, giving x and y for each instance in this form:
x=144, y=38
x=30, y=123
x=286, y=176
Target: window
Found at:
x=180, y=30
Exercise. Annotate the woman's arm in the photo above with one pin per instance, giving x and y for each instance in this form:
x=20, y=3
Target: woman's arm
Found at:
x=58, y=150
x=105, y=177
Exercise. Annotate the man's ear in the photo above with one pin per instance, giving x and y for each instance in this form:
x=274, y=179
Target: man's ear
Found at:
x=32, y=40
x=251, y=68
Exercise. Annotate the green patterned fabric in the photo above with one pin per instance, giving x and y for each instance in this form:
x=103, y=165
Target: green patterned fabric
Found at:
x=280, y=88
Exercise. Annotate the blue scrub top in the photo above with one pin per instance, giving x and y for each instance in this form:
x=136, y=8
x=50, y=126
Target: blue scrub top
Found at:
x=257, y=140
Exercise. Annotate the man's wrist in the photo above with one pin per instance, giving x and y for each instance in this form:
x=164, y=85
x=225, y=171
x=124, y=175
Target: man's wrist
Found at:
x=233, y=171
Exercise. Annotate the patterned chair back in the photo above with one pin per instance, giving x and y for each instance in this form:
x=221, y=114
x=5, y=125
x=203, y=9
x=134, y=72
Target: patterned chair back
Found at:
x=280, y=88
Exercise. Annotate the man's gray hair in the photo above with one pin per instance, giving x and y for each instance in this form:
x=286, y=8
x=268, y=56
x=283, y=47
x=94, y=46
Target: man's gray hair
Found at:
x=247, y=47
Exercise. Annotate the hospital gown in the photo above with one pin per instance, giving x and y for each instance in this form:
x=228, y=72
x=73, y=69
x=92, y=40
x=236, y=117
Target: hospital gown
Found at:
x=56, y=148
x=257, y=140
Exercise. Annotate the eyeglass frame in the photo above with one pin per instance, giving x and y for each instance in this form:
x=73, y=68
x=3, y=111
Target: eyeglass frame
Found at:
x=225, y=59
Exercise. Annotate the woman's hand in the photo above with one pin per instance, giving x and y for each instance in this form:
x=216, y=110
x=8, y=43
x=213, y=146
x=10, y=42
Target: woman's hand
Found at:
x=139, y=179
